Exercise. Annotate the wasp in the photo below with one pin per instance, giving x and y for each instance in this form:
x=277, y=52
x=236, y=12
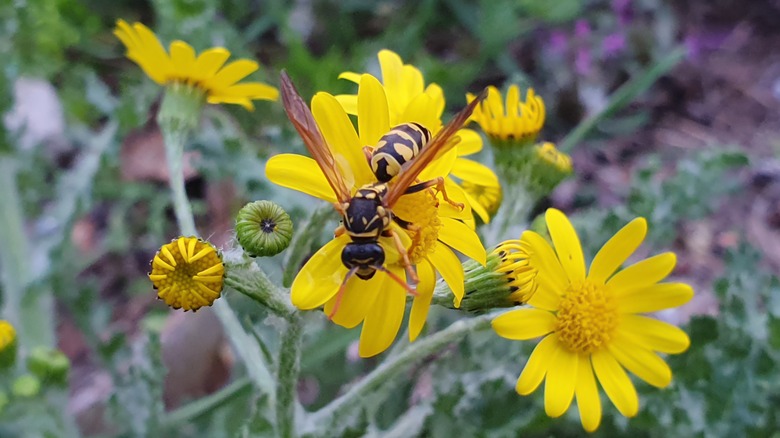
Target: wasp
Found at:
x=367, y=214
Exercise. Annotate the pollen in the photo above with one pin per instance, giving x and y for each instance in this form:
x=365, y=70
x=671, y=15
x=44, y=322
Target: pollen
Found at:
x=587, y=317
x=187, y=273
x=422, y=211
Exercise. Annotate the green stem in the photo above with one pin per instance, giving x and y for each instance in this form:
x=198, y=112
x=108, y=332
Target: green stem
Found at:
x=30, y=313
x=255, y=284
x=327, y=417
x=623, y=96
x=205, y=405
x=302, y=243
x=174, y=154
x=287, y=376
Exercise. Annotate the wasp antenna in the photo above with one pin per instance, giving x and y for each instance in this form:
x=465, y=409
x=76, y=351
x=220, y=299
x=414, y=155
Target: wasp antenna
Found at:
x=340, y=293
x=409, y=288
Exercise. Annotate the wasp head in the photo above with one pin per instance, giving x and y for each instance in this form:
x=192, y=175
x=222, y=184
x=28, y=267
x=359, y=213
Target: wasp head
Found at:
x=364, y=256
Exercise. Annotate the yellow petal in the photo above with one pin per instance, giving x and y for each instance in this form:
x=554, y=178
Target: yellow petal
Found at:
x=560, y=382
x=567, y=244
x=642, y=362
x=470, y=142
x=412, y=84
x=350, y=76
x=243, y=101
x=392, y=69
x=152, y=56
x=460, y=237
x=617, y=250
x=349, y=103
x=474, y=172
x=536, y=367
x=373, y=116
x=421, y=109
x=440, y=166
x=357, y=299
x=299, y=173
x=209, y=62
x=422, y=302
x=551, y=276
x=588, y=400
x=437, y=95
x=654, y=334
x=615, y=382
x=513, y=102
x=320, y=277
x=477, y=208
x=384, y=319
x=448, y=265
x=643, y=273
x=342, y=139
x=232, y=73
x=653, y=298
x=183, y=58
x=524, y=324
x=251, y=90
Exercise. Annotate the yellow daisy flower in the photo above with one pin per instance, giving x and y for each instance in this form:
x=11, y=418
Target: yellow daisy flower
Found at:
x=7, y=335
x=207, y=72
x=188, y=273
x=520, y=120
x=409, y=100
x=379, y=302
x=488, y=197
x=590, y=322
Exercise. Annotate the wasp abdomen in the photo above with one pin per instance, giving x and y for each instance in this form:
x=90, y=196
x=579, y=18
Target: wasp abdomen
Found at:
x=395, y=148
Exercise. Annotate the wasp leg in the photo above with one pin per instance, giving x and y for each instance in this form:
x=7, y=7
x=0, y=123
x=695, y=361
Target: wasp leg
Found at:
x=412, y=291
x=368, y=152
x=406, y=225
x=340, y=230
x=438, y=183
x=404, y=255
x=340, y=293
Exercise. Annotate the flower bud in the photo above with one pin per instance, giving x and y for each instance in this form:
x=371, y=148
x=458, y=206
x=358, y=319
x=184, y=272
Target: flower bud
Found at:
x=263, y=229
x=49, y=365
x=188, y=273
x=7, y=344
x=26, y=386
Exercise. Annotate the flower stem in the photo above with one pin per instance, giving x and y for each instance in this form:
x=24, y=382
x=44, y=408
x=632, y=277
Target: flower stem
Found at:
x=287, y=375
x=174, y=154
x=30, y=313
x=327, y=417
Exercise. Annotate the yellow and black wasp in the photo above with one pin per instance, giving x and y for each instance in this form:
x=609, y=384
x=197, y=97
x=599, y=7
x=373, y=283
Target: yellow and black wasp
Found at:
x=367, y=215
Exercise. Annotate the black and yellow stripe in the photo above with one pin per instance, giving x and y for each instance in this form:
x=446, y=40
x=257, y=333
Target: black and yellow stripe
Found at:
x=401, y=144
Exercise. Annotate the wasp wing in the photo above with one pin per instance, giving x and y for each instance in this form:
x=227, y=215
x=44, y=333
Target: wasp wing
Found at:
x=301, y=117
x=441, y=143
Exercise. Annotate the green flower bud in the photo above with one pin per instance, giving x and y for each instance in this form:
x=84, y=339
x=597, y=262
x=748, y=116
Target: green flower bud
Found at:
x=263, y=229
x=49, y=365
x=507, y=280
x=26, y=386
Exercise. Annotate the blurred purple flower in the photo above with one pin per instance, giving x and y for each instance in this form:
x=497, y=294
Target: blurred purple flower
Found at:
x=583, y=61
x=622, y=8
x=613, y=45
x=558, y=43
x=581, y=29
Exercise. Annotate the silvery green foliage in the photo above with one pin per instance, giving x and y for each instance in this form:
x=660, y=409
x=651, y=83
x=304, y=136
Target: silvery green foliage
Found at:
x=136, y=404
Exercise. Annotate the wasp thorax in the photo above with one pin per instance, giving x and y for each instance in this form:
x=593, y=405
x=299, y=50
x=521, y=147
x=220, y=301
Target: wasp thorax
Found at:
x=365, y=256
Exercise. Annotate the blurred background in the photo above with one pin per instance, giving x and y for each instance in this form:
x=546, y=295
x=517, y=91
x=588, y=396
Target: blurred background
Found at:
x=697, y=152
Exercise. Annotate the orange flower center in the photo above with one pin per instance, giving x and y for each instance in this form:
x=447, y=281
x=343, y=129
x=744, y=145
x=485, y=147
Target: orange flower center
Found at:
x=422, y=210
x=587, y=317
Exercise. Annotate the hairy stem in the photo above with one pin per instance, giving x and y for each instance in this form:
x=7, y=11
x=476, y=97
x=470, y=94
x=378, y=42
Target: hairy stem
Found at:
x=287, y=376
x=205, y=405
x=327, y=417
